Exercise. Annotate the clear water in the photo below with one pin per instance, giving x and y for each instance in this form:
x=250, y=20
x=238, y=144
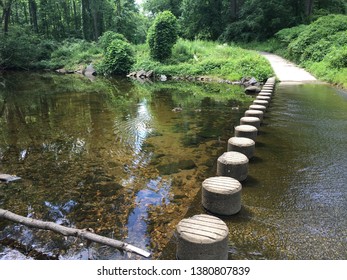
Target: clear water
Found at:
x=110, y=155
x=295, y=198
x=113, y=156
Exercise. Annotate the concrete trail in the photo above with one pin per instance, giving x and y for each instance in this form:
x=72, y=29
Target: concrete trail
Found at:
x=287, y=71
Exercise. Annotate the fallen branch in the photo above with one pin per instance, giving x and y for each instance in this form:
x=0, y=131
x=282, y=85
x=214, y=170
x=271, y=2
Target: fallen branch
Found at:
x=72, y=232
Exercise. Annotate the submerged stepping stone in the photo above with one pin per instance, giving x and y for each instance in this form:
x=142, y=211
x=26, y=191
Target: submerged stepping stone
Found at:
x=254, y=121
x=242, y=145
x=233, y=164
x=248, y=131
x=221, y=195
x=202, y=237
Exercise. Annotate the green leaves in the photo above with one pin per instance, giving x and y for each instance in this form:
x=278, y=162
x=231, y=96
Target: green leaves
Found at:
x=118, y=59
x=162, y=35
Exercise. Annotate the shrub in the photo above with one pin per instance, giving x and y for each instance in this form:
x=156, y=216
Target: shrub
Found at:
x=72, y=53
x=109, y=36
x=337, y=58
x=322, y=28
x=118, y=58
x=21, y=48
x=162, y=35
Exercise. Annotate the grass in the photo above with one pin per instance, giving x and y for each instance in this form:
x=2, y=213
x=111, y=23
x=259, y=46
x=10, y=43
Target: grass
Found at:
x=189, y=59
x=203, y=58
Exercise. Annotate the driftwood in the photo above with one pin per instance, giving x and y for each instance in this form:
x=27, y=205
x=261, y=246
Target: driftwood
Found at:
x=73, y=232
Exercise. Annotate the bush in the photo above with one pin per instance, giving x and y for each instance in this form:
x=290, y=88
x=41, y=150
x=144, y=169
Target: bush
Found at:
x=22, y=49
x=162, y=35
x=118, y=58
x=322, y=28
x=109, y=36
x=337, y=58
x=73, y=53
x=211, y=59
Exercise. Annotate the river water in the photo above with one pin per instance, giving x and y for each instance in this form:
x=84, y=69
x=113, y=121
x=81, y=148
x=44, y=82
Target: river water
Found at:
x=116, y=157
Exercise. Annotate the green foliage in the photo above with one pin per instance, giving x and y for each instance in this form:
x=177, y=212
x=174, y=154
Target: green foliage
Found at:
x=157, y=6
x=320, y=47
x=259, y=21
x=203, y=58
x=162, y=35
x=22, y=49
x=287, y=35
x=323, y=28
x=203, y=20
x=72, y=54
x=337, y=58
x=118, y=59
x=109, y=36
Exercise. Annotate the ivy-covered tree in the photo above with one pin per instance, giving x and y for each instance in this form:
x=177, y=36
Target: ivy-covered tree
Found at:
x=162, y=35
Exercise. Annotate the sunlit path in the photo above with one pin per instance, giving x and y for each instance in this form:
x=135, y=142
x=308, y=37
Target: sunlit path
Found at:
x=287, y=71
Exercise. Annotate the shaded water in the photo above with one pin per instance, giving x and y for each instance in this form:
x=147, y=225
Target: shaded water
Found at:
x=295, y=198
x=107, y=155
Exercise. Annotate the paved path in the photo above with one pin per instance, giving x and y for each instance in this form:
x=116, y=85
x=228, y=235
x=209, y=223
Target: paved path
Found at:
x=287, y=71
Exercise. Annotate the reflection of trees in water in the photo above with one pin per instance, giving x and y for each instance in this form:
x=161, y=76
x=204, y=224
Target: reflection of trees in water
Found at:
x=96, y=147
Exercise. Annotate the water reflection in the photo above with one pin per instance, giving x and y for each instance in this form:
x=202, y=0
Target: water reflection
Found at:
x=106, y=155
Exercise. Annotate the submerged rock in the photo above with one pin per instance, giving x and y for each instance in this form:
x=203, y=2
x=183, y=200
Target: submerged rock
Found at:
x=175, y=167
x=8, y=178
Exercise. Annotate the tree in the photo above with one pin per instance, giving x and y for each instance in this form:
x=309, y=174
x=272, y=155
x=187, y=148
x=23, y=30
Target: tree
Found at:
x=118, y=59
x=157, y=6
x=6, y=13
x=162, y=35
x=33, y=15
x=202, y=19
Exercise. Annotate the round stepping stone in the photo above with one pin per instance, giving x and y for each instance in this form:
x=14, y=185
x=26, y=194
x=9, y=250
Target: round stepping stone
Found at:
x=257, y=107
x=242, y=145
x=261, y=97
x=254, y=121
x=233, y=164
x=264, y=93
x=255, y=113
x=221, y=195
x=202, y=237
x=261, y=102
x=247, y=131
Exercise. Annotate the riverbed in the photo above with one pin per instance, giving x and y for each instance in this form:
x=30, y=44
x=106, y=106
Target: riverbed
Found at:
x=127, y=160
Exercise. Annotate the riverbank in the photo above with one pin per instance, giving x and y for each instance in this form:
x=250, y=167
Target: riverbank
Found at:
x=190, y=60
x=207, y=59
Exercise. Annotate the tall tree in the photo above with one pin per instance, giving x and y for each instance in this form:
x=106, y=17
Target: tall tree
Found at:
x=309, y=7
x=6, y=13
x=33, y=15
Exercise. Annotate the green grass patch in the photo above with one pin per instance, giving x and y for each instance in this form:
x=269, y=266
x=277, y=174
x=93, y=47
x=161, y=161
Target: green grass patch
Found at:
x=197, y=58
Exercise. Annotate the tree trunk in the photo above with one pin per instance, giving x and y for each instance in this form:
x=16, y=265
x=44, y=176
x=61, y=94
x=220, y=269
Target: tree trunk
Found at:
x=33, y=15
x=75, y=17
x=308, y=7
x=6, y=17
x=72, y=232
x=233, y=9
